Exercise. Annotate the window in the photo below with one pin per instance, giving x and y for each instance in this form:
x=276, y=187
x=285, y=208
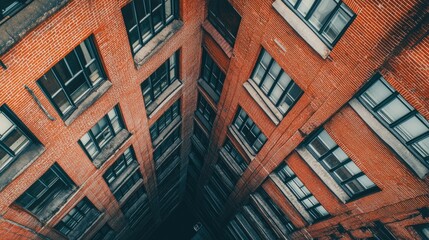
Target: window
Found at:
x=128, y=184
x=248, y=129
x=14, y=137
x=78, y=219
x=103, y=232
x=170, y=161
x=339, y=165
x=165, y=120
x=166, y=144
x=144, y=19
x=423, y=231
x=159, y=81
x=232, y=151
x=104, y=130
x=397, y=115
x=225, y=19
x=135, y=196
x=308, y=201
x=275, y=83
x=212, y=74
x=201, y=136
x=10, y=7
x=73, y=78
x=205, y=111
x=48, y=193
x=329, y=19
x=118, y=167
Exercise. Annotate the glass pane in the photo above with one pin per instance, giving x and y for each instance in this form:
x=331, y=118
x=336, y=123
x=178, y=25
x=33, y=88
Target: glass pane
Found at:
x=305, y=6
x=78, y=87
x=276, y=94
x=157, y=19
x=411, y=128
x=62, y=71
x=284, y=80
x=335, y=158
x=127, y=13
x=93, y=72
x=73, y=63
x=5, y=124
x=322, y=12
x=321, y=144
x=354, y=186
x=168, y=9
x=266, y=58
x=259, y=73
x=394, y=110
x=4, y=158
x=376, y=93
x=321, y=210
x=62, y=102
x=15, y=140
x=145, y=29
x=49, y=82
x=36, y=189
x=422, y=147
x=336, y=25
x=267, y=84
x=366, y=182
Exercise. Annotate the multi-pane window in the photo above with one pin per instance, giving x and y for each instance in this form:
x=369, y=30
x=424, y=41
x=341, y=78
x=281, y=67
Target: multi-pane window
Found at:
x=80, y=213
x=205, y=110
x=9, y=7
x=145, y=18
x=282, y=91
x=397, y=115
x=167, y=143
x=127, y=185
x=329, y=19
x=104, y=130
x=159, y=81
x=225, y=19
x=338, y=164
x=169, y=161
x=276, y=210
x=164, y=121
x=14, y=138
x=234, y=154
x=212, y=74
x=248, y=129
x=73, y=78
x=135, y=196
x=423, y=231
x=201, y=136
x=45, y=193
x=103, y=232
x=310, y=203
x=118, y=167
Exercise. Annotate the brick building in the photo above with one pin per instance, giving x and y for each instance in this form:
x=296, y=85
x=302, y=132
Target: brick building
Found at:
x=281, y=119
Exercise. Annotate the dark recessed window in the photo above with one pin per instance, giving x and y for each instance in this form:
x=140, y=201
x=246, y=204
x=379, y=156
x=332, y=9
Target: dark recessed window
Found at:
x=70, y=81
x=275, y=83
x=304, y=196
x=135, y=196
x=106, y=230
x=14, y=137
x=145, y=18
x=397, y=115
x=234, y=154
x=78, y=219
x=201, y=136
x=423, y=231
x=159, y=81
x=165, y=120
x=118, y=167
x=329, y=19
x=212, y=74
x=104, y=130
x=248, y=129
x=48, y=193
x=225, y=19
x=166, y=144
x=10, y=7
x=127, y=185
x=168, y=162
x=339, y=165
x=205, y=110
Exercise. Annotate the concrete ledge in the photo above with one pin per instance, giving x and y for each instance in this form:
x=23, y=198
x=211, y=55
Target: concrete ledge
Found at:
x=156, y=43
x=223, y=44
x=246, y=147
x=15, y=28
x=302, y=29
x=205, y=86
x=111, y=148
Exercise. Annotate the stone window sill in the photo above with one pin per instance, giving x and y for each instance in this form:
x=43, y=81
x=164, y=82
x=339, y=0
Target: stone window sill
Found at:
x=22, y=162
x=207, y=89
x=200, y=118
x=162, y=99
x=302, y=29
x=130, y=170
x=14, y=29
x=89, y=100
x=156, y=43
x=247, y=149
x=164, y=134
x=223, y=44
x=262, y=100
x=410, y=160
x=111, y=148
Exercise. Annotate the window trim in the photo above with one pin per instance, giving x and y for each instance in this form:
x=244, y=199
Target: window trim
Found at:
x=241, y=136
x=201, y=113
x=19, y=5
x=418, y=229
x=171, y=126
x=215, y=92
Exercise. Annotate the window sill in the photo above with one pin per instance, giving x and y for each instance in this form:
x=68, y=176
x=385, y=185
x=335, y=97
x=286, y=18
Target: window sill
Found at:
x=200, y=118
x=202, y=149
x=226, y=181
x=223, y=44
x=124, y=176
x=111, y=148
x=130, y=192
x=230, y=162
x=164, y=134
x=22, y=162
x=302, y=29
x=207, y=89
x=156, y=43
x=89, y=100
x=84, y=226
x=267, y=106
x=137, y=207
x=167, y=153
x=14, y=29
x=162, y=99
x=249, y=151
x=386, y=136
